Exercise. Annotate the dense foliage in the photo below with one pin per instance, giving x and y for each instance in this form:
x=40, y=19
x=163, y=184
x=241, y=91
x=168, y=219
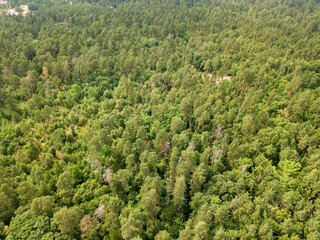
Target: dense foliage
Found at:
x=116, y=123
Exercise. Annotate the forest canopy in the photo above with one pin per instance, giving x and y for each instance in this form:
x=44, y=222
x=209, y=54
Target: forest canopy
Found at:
x=160, y=119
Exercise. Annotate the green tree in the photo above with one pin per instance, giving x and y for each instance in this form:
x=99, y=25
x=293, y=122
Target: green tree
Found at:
x=65, y=187
x=68, y=220
x=132, y=222
x=179, y=193
x=42, y=205
x=198, y=178
x=27, y=191
x=163, y=235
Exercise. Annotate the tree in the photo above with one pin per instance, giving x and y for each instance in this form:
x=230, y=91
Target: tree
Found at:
x=161, y=139
x=8, y=202
x=130, y=161
x=247, y=126
x=163, y=235
x=77, y=174
x=120, y=181
x=68, y=220
x=198, y=178
x=27, y=191
x=42, y=205
x=187, y=163
x=174, y=158
x=65, y=187
x=149, y=204
x=178, y=193
x=87, y=227
x=25, y=226
x=177, y=125
x=186, y=107
x=201, y=230
x=132, y=222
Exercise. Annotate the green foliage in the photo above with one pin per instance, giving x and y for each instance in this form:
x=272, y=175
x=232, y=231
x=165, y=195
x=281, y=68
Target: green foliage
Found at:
x=68, y=220
x=160, y=120
x=42, y=206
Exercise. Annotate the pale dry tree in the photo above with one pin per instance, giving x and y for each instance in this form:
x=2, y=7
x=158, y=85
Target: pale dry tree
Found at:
x=191, y=146
x=100, y=212
x=107, y=176
x=219, y=132
x=166, y=148
x=86, y=226
x=217, y=156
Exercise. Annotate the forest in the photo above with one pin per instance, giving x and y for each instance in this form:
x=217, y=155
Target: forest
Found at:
x=160, y=119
